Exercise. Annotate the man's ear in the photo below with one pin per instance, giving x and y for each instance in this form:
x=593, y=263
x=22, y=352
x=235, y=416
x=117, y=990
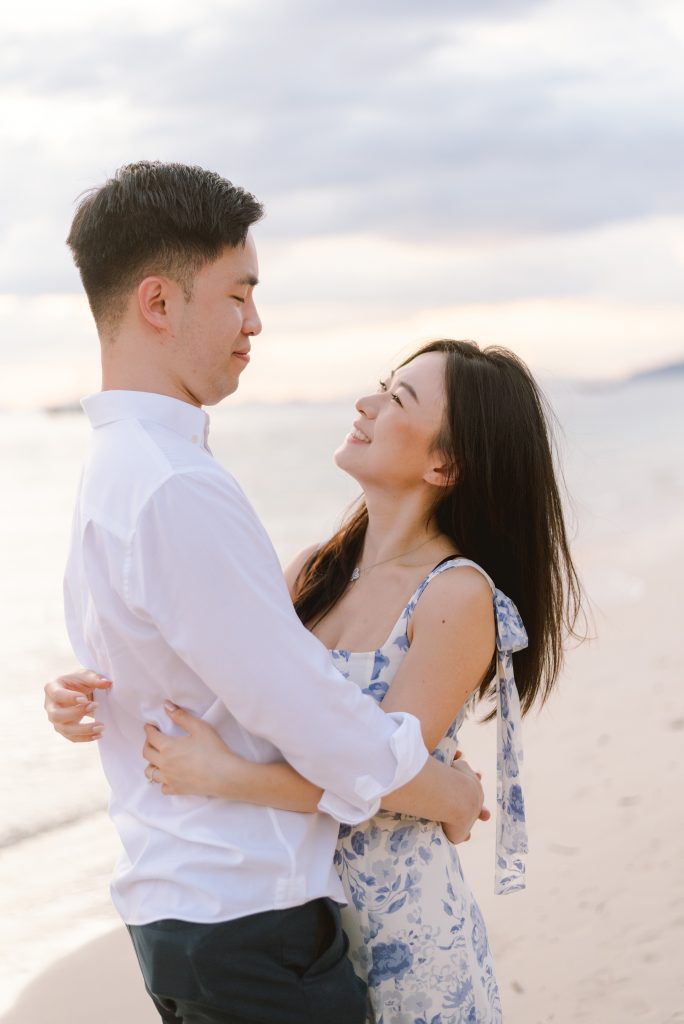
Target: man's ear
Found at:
x=157, y=297
x=442, y=473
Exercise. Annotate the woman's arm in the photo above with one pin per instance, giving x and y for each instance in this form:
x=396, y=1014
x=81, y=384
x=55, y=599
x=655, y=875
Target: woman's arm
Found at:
x=451, y=650
x=200, y=764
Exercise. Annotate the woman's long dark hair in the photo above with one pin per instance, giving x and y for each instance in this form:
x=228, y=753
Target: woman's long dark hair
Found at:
x=504, y=510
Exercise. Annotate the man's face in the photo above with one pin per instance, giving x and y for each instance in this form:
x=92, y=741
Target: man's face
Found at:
x=215, y=326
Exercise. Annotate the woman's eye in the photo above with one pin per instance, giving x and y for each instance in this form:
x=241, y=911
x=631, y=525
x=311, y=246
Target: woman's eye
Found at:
x=237, y=298
x=382, y=385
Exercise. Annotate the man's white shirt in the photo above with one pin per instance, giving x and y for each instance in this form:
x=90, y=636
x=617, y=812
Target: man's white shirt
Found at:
x=173, y=591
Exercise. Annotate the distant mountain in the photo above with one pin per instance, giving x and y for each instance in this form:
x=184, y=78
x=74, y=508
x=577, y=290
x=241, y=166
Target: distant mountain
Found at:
x=670, y=370
x=62, y=407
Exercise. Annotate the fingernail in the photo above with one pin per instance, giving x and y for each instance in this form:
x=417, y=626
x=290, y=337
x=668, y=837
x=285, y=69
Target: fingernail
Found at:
x=169, y=706
x=98, y=727
x=91, y=707
x=82, y=699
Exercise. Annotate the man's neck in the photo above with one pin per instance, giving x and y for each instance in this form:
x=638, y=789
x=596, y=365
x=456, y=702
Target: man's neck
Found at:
x=118, y=376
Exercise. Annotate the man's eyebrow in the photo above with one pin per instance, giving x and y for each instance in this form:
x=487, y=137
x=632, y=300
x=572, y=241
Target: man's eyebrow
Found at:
x=250, y=280
x=403, y=384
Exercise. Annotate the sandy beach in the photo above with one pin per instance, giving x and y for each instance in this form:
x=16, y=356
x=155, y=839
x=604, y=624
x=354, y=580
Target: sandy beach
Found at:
x=597, y=936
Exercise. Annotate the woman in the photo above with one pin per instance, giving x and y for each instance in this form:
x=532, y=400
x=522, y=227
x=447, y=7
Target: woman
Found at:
x=454, y=458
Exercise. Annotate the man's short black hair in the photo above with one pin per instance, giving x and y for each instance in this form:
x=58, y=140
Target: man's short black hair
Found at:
x=154, y=218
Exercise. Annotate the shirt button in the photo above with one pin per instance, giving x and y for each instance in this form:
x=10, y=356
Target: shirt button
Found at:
x=194, y=439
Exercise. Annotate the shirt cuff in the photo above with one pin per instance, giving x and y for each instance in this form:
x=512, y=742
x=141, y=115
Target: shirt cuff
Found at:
x=410, y=754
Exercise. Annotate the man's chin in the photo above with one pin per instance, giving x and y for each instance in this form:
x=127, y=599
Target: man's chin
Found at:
x=217, y=395
x=232, y=387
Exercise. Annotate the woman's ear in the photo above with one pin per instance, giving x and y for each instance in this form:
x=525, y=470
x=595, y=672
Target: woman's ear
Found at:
x=442, y=473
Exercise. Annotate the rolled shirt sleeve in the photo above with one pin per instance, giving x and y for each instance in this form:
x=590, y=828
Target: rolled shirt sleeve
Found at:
x=201, y=569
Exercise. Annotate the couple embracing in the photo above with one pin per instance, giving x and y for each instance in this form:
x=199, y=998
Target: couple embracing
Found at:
x=282, y=751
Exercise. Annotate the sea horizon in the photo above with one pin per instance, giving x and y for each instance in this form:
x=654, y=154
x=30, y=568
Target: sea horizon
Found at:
x=658, y=370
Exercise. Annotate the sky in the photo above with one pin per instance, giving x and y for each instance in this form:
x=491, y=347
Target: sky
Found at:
x=504, y=170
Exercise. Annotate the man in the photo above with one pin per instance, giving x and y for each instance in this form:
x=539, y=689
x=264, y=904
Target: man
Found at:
x=174, y=592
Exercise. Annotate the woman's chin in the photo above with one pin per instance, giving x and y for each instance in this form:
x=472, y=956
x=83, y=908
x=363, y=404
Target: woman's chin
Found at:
x=344, y=460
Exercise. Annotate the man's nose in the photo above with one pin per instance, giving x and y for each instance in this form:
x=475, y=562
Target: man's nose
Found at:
x=252, y=326
x=252, y=323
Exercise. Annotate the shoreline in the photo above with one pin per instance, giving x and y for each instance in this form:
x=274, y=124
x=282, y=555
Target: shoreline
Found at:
x=597, y=933
x=72, y=987
x=56, y=900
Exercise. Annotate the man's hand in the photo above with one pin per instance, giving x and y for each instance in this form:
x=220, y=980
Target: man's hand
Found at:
x=455, y=833
x=71, y=698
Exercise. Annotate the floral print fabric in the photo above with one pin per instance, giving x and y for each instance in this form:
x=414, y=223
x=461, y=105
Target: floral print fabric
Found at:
x=415, y=930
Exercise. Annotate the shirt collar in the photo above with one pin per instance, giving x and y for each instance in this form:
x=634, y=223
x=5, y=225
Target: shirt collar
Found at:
x=187, y=420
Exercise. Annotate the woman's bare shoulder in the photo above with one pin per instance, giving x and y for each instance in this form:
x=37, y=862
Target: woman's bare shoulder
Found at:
x=459, y=594
x=293, y=568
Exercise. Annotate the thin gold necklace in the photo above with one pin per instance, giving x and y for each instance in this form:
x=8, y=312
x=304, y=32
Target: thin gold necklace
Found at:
x=402, y=554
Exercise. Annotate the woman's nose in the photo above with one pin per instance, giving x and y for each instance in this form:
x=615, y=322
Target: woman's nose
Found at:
x=366, y=406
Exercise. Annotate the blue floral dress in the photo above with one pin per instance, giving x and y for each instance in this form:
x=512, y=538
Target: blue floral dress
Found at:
x=416, y=933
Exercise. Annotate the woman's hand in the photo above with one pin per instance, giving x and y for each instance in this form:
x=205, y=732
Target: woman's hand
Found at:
x=198, y=764
x=454, y=833
x=71, y=698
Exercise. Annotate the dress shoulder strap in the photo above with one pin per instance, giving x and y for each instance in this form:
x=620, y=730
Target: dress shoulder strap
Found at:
x=448, y=563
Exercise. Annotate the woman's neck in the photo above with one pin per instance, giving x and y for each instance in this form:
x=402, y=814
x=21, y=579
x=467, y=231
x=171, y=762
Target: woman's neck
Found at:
x=396, y=527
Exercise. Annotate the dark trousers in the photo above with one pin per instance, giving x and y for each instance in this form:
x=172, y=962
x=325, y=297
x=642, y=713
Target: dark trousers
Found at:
x=278, y=967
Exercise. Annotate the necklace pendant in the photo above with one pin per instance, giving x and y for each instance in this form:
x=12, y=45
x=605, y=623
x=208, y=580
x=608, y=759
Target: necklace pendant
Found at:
x=355, y=575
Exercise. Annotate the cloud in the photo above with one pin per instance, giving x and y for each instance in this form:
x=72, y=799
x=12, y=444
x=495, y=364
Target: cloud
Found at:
x=447, y=122
x=367, y=270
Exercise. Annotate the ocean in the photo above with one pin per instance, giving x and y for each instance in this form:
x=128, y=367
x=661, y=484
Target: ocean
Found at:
x=621, y=449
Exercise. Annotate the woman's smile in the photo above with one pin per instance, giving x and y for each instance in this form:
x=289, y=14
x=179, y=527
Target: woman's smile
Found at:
x=357, y=436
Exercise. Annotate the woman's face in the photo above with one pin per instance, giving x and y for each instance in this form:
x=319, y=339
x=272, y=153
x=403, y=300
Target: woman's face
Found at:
x=391, y=443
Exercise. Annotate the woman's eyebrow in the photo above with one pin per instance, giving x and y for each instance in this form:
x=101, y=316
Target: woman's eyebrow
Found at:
x=250, y=280
x=403, y=384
